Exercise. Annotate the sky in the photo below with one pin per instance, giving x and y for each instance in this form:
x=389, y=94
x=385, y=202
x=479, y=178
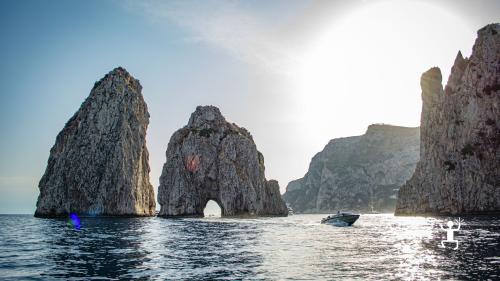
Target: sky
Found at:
x=296, y=74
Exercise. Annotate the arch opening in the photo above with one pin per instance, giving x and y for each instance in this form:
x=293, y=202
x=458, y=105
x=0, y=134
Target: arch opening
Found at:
x=212, y=210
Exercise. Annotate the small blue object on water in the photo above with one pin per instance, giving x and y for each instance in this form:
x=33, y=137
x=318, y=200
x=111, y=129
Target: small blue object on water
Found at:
x=75, y=221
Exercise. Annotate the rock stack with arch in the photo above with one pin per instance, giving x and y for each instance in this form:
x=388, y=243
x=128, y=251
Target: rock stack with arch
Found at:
x=212, y=159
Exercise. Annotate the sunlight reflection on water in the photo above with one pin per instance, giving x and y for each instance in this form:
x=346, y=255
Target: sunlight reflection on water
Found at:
x=377, y=247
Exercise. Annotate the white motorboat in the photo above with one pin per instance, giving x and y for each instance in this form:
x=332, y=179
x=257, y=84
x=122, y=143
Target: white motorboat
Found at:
x=341, y=219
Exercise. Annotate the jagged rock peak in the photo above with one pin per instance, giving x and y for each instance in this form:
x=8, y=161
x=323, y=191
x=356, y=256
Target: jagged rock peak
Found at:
x=430, y=82
x=99, y=163
x=456, y=74
x=116, y=77
x=209, y=115
x=486, y=44
x=212, y=159
x=434, y=73
x=460, y=62
x=209, y=118
x=431, y=77
x=488, y=31
x=460, y=145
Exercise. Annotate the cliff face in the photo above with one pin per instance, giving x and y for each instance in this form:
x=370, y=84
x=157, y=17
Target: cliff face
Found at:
x=459, y=168
x=99, y=163
x=211, y=159
x=361, y=173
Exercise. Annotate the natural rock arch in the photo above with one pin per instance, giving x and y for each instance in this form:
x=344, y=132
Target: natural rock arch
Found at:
x=212, y=159
x=209, y=210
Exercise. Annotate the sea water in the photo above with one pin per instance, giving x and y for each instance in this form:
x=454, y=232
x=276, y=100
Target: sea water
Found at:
x=376, y=247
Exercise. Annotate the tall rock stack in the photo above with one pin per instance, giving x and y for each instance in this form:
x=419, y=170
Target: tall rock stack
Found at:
x=361, y=173
x=212, y=159
x=99, y=163
x=459, y=168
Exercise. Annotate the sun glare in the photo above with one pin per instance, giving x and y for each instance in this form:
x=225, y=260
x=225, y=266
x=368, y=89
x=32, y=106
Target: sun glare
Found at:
x=365, y=67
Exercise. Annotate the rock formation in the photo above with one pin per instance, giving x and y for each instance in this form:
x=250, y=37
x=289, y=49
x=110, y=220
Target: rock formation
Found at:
x=211, y=159
x=459, y=168
x=99, y=163
x=361, y=173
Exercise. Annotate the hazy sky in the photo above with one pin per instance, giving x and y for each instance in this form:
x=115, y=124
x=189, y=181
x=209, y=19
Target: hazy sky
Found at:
x=294, y=73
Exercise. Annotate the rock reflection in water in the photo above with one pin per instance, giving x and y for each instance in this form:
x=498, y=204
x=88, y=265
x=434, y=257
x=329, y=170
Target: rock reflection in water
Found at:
x=103, y=247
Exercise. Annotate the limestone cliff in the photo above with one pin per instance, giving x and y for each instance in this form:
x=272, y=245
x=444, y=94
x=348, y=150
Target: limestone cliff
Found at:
x=361, y=173
x=211, y=159
x=459, y=168
x=99, y=163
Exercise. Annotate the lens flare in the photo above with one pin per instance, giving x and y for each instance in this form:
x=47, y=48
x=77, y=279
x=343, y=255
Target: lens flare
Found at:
x=75, y=221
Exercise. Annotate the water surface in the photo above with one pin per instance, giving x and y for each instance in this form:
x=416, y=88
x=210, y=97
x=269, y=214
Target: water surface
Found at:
x=377, y=247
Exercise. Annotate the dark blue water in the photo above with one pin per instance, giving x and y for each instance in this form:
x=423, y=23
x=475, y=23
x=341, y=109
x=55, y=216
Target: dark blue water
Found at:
x=377, y=247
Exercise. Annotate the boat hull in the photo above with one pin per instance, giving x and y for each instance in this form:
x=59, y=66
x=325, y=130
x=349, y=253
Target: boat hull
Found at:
x=345, y=220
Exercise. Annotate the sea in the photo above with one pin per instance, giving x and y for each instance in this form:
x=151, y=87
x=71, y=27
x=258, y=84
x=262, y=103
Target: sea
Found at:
x=298, y=247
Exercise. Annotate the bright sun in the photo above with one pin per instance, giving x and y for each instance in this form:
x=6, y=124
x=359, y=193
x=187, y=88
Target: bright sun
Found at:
x=365, y=67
